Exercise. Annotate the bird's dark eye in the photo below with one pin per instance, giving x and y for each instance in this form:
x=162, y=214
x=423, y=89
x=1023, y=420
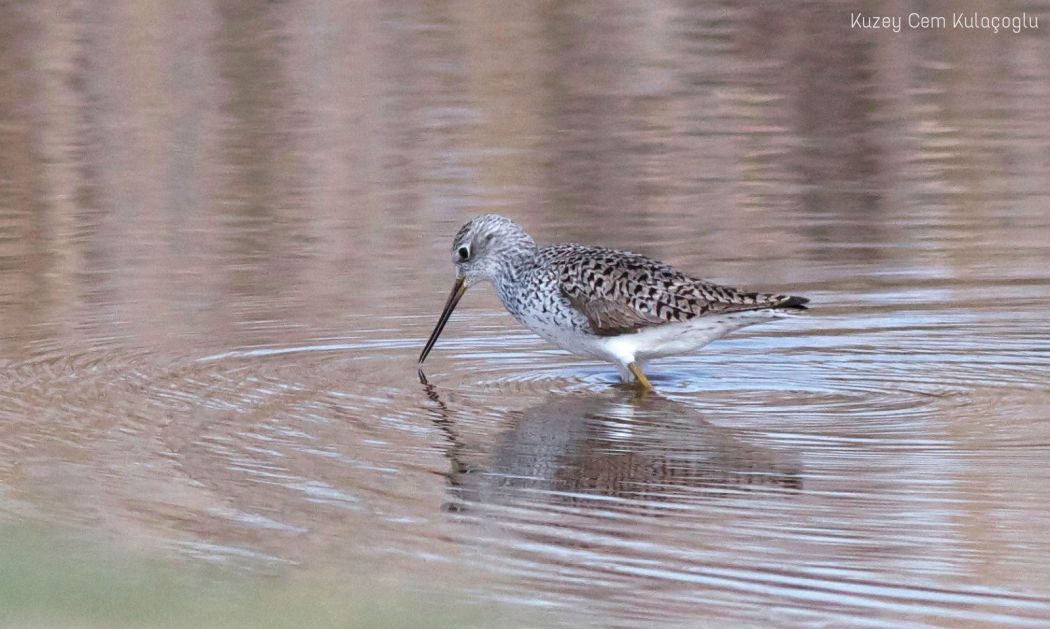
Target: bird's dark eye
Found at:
x=463, y=253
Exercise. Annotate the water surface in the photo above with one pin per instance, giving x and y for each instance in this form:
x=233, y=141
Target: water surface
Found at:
x=224, y=235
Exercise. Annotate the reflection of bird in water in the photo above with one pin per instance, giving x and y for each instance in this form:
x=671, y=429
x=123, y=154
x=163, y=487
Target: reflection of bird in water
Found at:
x=642, y=451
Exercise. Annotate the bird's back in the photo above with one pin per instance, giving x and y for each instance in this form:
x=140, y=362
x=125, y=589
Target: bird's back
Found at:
x=620, y=291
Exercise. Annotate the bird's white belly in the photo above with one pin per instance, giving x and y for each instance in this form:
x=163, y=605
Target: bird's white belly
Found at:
x=688, y=336
x=571, y=340
x=669, y=339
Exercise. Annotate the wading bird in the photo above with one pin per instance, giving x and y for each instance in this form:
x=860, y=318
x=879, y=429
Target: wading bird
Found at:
x=611, y=305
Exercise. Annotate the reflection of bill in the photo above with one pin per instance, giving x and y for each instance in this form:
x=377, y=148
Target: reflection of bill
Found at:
x=616, y=451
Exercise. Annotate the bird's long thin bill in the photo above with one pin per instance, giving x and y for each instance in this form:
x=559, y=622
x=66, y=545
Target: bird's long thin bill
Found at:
x=457, y=292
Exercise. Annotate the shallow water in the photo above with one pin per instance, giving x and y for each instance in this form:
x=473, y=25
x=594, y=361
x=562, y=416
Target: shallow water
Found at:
x=224, y=237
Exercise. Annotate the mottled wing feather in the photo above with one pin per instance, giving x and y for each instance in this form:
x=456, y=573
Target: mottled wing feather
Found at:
x=621, y=292
x=608, y=317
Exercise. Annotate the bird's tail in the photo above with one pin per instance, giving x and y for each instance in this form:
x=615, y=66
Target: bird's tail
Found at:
x=792, y=302
x=778, y=302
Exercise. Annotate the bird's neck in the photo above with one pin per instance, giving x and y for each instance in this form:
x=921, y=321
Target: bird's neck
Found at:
x=511, y=273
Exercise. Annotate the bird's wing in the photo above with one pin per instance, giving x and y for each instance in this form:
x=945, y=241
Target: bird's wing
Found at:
x=621, y=292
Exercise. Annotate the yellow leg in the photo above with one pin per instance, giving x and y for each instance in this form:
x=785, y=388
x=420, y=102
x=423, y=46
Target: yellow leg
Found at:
x=642, y=380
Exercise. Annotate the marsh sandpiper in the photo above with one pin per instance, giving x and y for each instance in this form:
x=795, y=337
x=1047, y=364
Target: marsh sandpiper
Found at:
x=615, y=306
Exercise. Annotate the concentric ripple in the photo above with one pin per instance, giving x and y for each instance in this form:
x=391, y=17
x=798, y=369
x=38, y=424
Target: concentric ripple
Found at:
x=858, y=442
x=832, y=463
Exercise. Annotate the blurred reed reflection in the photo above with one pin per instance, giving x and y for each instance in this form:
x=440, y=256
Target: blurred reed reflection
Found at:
x=173, y=172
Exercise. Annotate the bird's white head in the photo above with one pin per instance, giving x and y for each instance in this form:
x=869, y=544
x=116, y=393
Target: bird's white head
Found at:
x=488, y=247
